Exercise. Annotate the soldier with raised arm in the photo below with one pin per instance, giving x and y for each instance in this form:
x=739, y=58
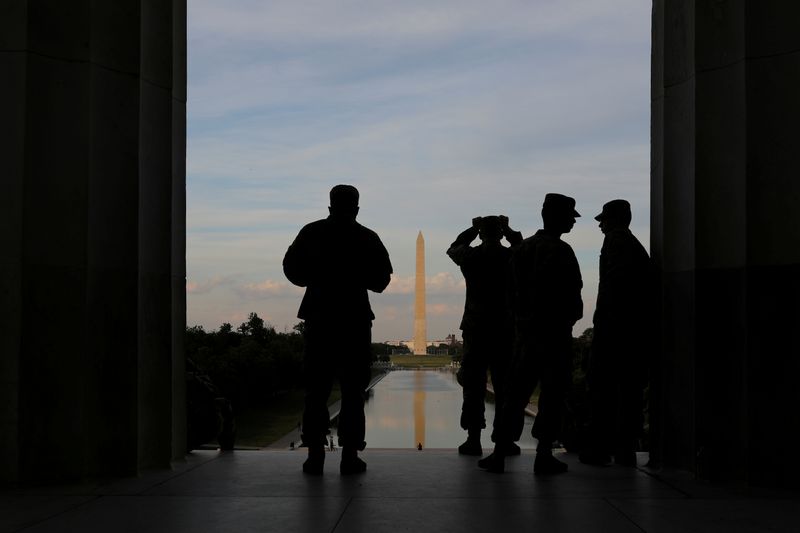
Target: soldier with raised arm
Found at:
x=337, y=260
x=487, y=323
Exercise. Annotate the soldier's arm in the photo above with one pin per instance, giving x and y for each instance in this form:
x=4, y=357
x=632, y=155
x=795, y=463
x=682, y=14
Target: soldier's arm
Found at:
x=626, y=277
x=620, y=261
x=577, y=281
x=460, y=247
x=520, y=289
x=380, y=272
x=513, y=237
x=297, y=263
x=560, y=283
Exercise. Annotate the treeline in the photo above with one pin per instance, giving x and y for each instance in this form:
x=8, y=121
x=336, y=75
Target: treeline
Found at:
x=249, y=365
x=253, y=363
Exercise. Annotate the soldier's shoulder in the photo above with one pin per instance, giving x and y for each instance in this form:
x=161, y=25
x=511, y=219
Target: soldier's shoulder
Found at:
x=313, y=228
x=317, y=224
x=525, y=246
x=621, y=238
x=564, y=248
x=366, y=232
x=530, y=242
x=549, y=241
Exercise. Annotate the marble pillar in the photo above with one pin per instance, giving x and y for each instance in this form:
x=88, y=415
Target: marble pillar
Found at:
x=92, y=274
x=420, y=321
x=725, y=232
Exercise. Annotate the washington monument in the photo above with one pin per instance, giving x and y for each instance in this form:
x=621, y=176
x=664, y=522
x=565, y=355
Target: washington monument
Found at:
x=420, y=333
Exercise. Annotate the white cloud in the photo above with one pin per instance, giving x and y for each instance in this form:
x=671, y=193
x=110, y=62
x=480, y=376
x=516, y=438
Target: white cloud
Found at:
x=203, y=287
x=268, y=288
x=439, y=283
x=448, y=310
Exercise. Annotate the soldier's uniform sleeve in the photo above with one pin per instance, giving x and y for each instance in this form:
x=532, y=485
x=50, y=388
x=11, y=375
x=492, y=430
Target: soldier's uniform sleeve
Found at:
x=521, y=290
x=298, y=263
x=513, y=237
x=460, y=248
x=625, y=270
x=559, y=283
x=575, y=285
x=379, y=271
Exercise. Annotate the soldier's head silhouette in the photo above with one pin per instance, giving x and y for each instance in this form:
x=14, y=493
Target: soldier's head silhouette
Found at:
x=616, y=214
x=490, y=229
x=344, y=202
x=558, y=213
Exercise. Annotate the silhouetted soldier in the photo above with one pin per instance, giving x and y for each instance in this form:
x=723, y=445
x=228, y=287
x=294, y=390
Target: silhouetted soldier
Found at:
x=487, y=323
x=337, y=260
x=547, y=292
x=617, y=368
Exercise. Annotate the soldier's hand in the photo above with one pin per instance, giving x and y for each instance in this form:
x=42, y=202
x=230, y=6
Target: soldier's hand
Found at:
x=476, y=222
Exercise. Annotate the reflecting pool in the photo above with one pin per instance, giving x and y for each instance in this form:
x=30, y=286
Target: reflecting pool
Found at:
x=408, y=407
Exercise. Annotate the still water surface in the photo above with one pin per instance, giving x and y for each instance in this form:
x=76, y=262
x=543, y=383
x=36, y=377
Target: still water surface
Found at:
x=423, y=406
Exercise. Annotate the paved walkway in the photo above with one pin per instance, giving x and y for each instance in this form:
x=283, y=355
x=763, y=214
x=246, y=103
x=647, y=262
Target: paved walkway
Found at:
x=419, y=491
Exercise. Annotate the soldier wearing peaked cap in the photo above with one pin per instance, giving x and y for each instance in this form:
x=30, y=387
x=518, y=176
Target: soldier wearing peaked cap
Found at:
x=617, y=370
x=547, y=286
x=337, y=260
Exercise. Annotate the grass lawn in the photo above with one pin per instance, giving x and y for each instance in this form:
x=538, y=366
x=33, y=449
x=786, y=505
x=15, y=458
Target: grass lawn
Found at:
x=424, y=361
x=261, y=426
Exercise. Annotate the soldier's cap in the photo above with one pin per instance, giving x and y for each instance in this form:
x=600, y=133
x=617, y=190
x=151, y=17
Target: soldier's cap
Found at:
x=615, y=210
x=344, y=196
x=558, y=203
x=491, y=221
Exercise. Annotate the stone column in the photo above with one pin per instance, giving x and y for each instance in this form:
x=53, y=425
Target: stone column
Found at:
x=92, y=272
x=726, y=234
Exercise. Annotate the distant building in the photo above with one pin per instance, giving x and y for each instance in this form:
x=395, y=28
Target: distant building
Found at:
x=431, y=347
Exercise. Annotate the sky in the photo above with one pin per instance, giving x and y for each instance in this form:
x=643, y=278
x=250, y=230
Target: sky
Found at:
x=437, y=111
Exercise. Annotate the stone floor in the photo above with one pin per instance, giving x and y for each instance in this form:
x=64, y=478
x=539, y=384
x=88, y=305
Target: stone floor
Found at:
x=403, y=490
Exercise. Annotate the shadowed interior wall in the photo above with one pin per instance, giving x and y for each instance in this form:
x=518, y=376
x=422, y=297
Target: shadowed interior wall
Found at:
x=725, y=232
x=92, y=273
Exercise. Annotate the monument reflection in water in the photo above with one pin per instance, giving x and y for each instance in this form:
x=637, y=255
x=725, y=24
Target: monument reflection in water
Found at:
x=411, y=407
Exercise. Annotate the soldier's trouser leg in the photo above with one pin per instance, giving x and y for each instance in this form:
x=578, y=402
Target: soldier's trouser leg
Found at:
x=521, y=382
x=555, y=360
x=474, y=365
x=630, y=407
x=499, y=366
x=603, y=383
x=354, y=375
x=318, y=376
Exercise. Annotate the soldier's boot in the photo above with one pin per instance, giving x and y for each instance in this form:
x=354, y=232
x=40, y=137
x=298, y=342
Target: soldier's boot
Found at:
x=495, y=462
x=625, y=451
x=472, y=446
x=512, y=449
x=315, y=463
x=351, y=463
x=545, y=464
x=625, y=458
x=594, y=457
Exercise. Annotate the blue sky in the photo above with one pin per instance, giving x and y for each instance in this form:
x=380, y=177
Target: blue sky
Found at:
x=438, y=111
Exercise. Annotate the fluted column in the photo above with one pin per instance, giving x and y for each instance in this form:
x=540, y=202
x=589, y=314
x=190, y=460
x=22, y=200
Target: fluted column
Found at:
x=92, y=284
x=726, y=235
